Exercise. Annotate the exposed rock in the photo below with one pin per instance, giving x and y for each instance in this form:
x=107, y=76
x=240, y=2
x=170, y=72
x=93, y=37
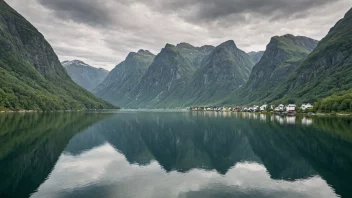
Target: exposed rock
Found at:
x=85, y=75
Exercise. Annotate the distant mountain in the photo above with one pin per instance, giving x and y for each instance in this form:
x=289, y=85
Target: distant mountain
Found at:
x=256, y=56
x=226, y=69
x=85, y=75
x=168, y=74
x=31, y=76
x=282, y=56
x=124, y=78
x=326, y=71
x=177, y=76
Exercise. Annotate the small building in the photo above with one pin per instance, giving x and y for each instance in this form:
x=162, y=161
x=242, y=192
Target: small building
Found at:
x=291, y=108
x=281, y=107
x=306, y=106
x=263, y=107
x=255, y=108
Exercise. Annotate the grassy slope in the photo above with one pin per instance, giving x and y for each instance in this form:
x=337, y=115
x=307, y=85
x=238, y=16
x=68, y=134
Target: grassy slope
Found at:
x=282, y=57
x=223, y=71
x=29, y=83
x=326, y=71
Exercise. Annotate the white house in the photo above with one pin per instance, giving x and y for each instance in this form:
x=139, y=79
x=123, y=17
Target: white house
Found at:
x=281, y=107
x=255, y=108
x=263, y=107
x=291, y=107
x=306, y=106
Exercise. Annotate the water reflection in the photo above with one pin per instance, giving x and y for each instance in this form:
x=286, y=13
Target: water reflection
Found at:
x=30, y=145
x=181, y=154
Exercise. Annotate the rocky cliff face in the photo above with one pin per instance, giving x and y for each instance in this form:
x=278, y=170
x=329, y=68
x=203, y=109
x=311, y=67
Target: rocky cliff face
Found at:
x=226, y=69
x=169, y=73
x=327, y=70
x=31, y=76
x=282, y=56
x=85, y=75
x=256, y=56
x=124, y=78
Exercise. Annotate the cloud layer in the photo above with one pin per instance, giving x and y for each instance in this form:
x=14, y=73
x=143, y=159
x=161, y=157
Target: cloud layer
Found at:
x=103, y=32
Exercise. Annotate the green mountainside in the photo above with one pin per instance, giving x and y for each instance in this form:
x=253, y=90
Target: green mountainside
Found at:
x=31, y=76
x=293, y=69
x=282, y=56
x=326, y=71
x=85, y=75
x=226, y=69
x=168, y=74
x=124, y=78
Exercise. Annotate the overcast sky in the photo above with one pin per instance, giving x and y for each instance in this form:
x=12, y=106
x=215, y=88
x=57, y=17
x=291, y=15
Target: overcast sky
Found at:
x=103, y=32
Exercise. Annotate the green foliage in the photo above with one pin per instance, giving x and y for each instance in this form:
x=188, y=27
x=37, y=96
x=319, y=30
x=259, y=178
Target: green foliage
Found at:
x=283, y=55
x=341, y=102
x=31, y=83
x=325, y=72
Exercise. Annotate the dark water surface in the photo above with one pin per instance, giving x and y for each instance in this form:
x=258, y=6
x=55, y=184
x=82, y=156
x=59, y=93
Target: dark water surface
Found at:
x=174, y=155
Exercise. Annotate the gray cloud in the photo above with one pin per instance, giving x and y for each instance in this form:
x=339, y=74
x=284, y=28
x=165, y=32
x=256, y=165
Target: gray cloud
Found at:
x=97, y=12
x=205, y=10
x=103, y=32
x=82, y=11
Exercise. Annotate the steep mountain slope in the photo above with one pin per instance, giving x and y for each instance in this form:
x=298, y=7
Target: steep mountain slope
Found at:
x=226, y=69
x=168, y=74
x=327, y=70
x=256, y=56
x=124, y=78
x=282, y=56
x=195, y=54
x=85, y=75
x=31, y=76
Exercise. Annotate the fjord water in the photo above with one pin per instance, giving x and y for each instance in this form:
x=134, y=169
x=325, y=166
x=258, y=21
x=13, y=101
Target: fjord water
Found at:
x=131, y=154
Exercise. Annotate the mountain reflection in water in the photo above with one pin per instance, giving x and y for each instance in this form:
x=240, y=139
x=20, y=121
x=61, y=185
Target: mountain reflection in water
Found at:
x=174, y=154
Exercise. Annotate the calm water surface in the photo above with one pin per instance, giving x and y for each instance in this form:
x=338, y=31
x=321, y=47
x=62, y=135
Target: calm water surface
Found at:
x=174, y=155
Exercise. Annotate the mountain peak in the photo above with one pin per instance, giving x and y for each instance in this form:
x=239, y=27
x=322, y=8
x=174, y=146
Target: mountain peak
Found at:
x=168, y=45
x=75, y=62
x=184, y=45
x=229, y=43
x=145, y=52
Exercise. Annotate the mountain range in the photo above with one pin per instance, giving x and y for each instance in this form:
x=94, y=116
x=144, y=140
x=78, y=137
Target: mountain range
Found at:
x=292, y=69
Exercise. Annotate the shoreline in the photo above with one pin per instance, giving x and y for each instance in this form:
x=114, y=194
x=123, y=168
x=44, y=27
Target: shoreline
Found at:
x=97, y=110
x=298, y=114
x=61, y=111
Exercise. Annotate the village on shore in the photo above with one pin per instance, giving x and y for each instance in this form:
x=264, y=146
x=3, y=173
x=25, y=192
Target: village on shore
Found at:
x=290, y=109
